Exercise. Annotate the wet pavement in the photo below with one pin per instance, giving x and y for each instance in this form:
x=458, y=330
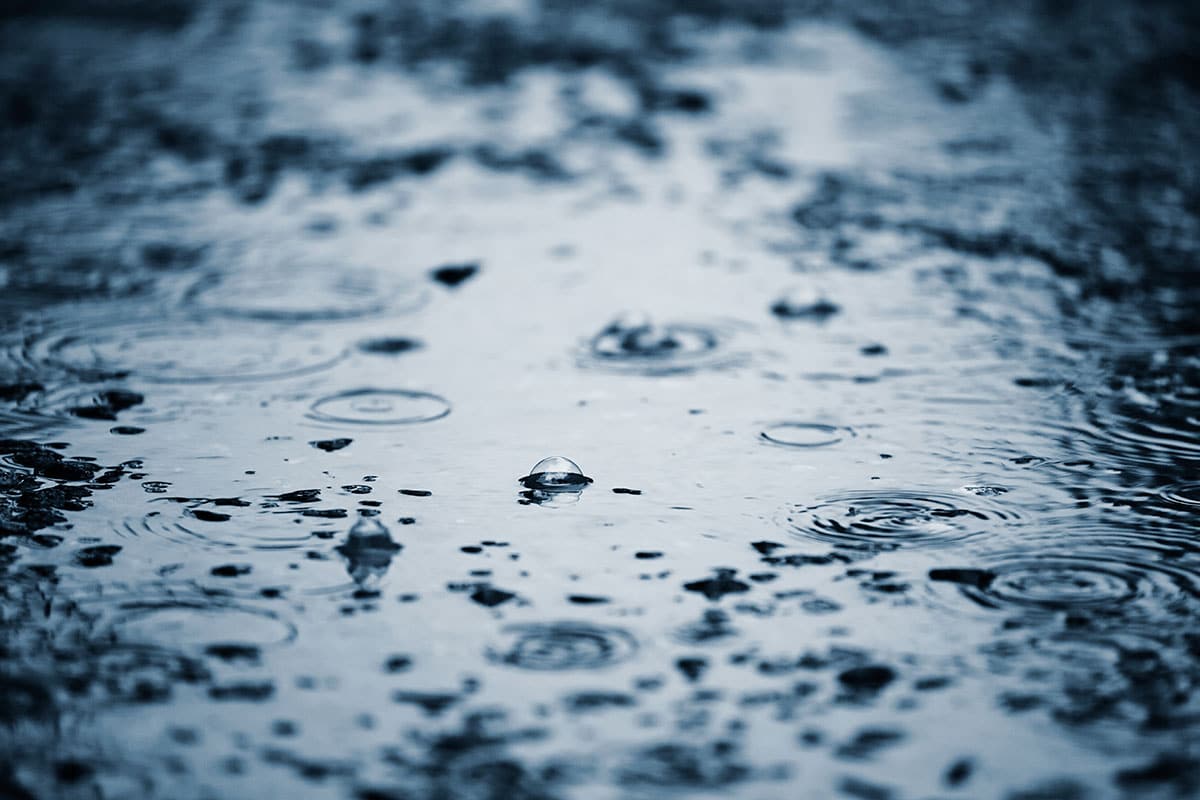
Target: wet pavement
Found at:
x=861, y=348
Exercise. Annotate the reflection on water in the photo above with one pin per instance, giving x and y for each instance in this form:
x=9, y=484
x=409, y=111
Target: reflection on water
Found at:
x=890, y=494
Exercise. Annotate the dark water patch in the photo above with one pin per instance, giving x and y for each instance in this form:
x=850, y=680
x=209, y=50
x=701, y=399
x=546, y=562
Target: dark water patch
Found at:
x=371, y=172
x=243, y=691
x=804, y=304
x=490, y=596
x=379, y=407
x=585, y=702
x=99, y=555
x=454, y=275
x=680, y=767
x=878, y=520
x=561, y=646
x=721, y=584
x=868, y=742
x=804, y=434
x=389, y=346
x=331, y=445
x=713, y=626
x=635, y=344
x=300, y=292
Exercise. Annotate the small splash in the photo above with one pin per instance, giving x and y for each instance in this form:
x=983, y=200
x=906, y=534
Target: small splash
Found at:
x=887, y=519
x=804, y=434
x=634, y=343
x=379, y=407
x=562, y=646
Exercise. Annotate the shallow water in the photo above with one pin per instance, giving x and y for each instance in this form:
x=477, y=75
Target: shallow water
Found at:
x=876, y=344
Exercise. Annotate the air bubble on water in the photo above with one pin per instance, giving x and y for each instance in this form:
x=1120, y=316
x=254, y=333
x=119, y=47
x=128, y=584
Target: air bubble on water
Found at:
x=368, y=550
x=556, y=474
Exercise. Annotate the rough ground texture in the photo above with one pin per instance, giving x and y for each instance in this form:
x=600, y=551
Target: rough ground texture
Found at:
x=874, y=329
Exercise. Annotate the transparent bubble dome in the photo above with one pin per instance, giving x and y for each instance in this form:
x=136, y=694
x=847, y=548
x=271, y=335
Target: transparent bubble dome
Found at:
x=556, y=473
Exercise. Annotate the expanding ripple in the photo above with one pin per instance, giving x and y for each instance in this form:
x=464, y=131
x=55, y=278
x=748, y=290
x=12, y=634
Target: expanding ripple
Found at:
x=379, y=407
x=1108, y=579
x=635, y=344
x=804, y=434
x=304, y=295
x=560, y=646
x=877, y=519
x=194, y=623
x=262, y=523
x=179, y=352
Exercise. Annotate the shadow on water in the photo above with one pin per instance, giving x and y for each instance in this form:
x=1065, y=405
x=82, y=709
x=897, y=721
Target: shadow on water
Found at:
x=891, y=493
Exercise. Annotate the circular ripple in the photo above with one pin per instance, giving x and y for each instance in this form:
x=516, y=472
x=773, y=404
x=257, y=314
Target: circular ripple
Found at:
x=184, y=352
x=191, y=624
x=564, y=646
x=637, y=345
x=304, y=295
x=886, y=520
x=262, y=523
x=379, y=407
x=1183, y=495
x=804, y=434
x=1112, y=579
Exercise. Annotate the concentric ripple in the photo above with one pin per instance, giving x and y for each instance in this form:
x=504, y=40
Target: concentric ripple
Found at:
x=1109, y=579
x=635, y=344
x=256, y=521
x=310, y=295
x=881, y=519
x=181, y=352
x=380, y=407
x=562, y=646
x=194, y=624
x=804, y=434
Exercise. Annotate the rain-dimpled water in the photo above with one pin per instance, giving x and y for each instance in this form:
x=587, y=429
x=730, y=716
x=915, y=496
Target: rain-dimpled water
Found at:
x=542, y=400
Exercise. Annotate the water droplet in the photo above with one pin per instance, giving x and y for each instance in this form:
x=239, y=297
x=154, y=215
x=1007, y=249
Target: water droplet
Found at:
x=379, y=407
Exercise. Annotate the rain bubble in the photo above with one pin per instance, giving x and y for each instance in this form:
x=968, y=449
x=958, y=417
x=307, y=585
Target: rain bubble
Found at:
x=556, y=474
x=368, y=551
x=553, y=481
